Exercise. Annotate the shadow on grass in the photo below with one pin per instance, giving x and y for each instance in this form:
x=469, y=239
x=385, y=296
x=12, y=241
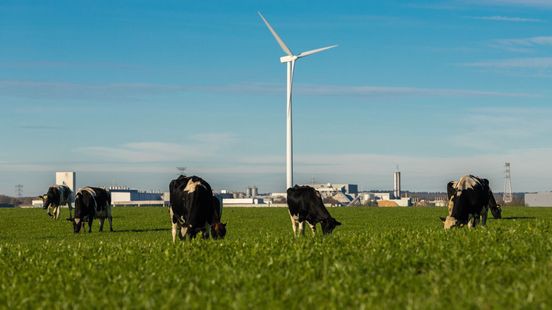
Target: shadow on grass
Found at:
x=518, y=218
x=141, y=230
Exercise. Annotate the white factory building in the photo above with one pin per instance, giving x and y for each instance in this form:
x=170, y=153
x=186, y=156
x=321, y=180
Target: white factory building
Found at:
x=124, y=196
x=542, y=199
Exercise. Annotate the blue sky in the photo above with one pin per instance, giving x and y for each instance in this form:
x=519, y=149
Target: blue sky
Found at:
x=125, y=91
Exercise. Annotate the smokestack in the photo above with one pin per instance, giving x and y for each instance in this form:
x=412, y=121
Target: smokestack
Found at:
x=397, y=184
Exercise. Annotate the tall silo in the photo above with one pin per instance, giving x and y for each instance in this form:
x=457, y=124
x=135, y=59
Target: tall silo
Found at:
x=397, y=184
x=254, y=192
x=67, y=178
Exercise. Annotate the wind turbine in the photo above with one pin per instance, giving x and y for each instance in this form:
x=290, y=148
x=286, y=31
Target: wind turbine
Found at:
x=290, y=59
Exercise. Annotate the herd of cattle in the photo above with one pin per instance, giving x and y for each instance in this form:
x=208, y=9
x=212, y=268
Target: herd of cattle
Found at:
x=195, y=210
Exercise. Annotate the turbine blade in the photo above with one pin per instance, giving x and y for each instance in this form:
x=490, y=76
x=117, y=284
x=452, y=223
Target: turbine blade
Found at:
x=276, y=36
x=318, y=50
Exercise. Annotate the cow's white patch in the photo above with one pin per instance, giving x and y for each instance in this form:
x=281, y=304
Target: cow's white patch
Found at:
x=191, y=186
x=313, y=229
x=473, y=220
x=174, y=230
x=450, y=222
x=294, y=223
x=302, y=228
x=91, y=192
x=466, y=182
x=77, y=221
x=450, y=206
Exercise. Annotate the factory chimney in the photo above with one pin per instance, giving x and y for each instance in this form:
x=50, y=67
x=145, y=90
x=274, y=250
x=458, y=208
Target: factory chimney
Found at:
x=397, y=184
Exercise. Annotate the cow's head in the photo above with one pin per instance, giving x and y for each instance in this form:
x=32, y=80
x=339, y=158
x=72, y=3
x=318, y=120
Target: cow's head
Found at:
x=328, y=225
x=47, y=201
x=497, y=212
x=218, y=230
x=77, y=224
x=453, y=199
x=450, y=222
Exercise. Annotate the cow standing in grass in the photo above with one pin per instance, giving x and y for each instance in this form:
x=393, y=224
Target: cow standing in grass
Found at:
x=194, y=209
x=57, y=196
x=91, y=202
x=305, y=204
x=470, y=198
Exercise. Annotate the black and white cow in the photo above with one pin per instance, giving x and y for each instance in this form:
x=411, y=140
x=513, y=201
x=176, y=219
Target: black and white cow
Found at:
x=305, y=204
x=57, y=196
x=194, y=209
x=469, y=200
x=91, y=202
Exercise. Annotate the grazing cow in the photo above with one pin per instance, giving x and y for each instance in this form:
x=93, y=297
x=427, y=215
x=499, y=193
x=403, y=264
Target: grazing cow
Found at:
x=57, y=196
x=91, y=202
x=194, y=209
x=469, y=201
x=305, y=204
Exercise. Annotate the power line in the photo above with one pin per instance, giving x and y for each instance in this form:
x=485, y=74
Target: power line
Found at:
x=19, y=190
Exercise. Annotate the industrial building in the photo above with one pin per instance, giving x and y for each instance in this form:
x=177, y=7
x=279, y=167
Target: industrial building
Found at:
x=386, y=199
x=124, y=196
x=542, y=199
x=67, y=178
x=242, y=201
x=330, y=189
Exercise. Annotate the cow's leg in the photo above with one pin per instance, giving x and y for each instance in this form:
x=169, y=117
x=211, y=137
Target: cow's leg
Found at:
x=70, y=210
x=313, y=229
x=294, y=223
x=470, y=220
x=206, y=231
x=475, y=220
x=174, y=231
x=90, y=224
x=110, y=218
x=102, y=220
x=302, y=228
x=484, y=213
x=184, y=232
x=58, y=211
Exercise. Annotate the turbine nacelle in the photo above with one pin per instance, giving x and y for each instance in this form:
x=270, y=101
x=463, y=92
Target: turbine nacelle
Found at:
x=288, y=58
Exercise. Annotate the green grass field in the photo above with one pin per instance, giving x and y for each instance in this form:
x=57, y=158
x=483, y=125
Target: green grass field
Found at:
x=380, y=258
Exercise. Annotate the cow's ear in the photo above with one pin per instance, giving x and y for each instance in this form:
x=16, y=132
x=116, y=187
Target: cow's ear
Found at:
x=337, y=223
x=443, y=219
x=486, y=182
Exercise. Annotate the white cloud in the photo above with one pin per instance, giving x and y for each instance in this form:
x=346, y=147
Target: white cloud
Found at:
x=201, y=146
x=402, y=91
x=499, y=129
x=526, y=3
x=63, y=90
x=508, y=19
x=515, y=63
x=523, y=44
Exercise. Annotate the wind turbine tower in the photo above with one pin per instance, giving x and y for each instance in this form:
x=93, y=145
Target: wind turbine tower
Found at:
x=290, y=60
x=507, y=195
